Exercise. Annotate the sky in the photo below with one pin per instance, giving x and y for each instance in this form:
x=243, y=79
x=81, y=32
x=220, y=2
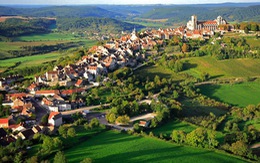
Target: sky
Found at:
x=75, y=2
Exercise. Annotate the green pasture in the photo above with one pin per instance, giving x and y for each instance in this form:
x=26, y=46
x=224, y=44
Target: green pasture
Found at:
x=151, y=71
x=236, y=94
x=173, y=125
x=222, y=68
x=114, y=147
x=46, y=37
x=30, y=60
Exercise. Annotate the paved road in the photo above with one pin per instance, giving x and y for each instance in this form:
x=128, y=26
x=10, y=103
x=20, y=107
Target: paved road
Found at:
x=145, y=116
x=82, y=109
x=40, y=111
x=97, y=106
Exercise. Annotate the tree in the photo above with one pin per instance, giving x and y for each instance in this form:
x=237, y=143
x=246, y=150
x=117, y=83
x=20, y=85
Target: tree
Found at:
x=71, y=132
x=185, y=48
x=246, y=30
x=63, y=131
x=124, y=120
x=94, y=123
x=47, y=144
x=175, y=94
x=18, y=158
x=87, y=160
x=111, y=117
x=60, y=158
x=239, y=148
x=137, y=128
x=178, y=136
x=178, y=66
x=33, y=159
x=44, y=120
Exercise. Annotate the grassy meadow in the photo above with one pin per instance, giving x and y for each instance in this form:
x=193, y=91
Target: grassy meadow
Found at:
x=222, y=68
x=30, y=60
x=236, y=94
x=152, y=70
x=112, y=146
x=173, y=125
x=46, y=37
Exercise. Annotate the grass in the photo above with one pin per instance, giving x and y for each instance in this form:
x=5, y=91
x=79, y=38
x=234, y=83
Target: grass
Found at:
x=152, y=70
x=253, y=42
x=194, y=108
x=236, y=94
x=113, y=146
x=30, y=60
x=46, y=37
x=222, y=68
x=173, y=125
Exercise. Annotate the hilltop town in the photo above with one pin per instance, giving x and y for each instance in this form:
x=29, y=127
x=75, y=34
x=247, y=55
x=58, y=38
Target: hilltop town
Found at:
x=91, y=70
x=57, y=96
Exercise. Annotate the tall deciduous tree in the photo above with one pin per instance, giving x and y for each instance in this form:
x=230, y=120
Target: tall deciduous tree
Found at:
x=60, y=158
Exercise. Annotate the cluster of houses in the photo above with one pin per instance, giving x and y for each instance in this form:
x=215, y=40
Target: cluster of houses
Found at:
x=23, y=119
x=5, y=82
x=23, y=132
x=129, y=50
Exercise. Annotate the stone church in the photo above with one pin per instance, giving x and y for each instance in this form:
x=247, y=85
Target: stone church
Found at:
x=212, y=25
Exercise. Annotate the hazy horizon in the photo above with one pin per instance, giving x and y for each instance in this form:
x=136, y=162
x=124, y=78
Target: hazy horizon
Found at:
x=118, y=2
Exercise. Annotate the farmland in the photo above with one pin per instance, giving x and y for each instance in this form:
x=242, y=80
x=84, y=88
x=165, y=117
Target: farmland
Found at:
x=46, y=37
x=117, y=147
x=236, y=94
x=30, y=60
x=222, y=68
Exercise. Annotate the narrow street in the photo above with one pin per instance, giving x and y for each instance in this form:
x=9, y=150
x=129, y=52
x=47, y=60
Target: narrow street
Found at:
x=39, y=111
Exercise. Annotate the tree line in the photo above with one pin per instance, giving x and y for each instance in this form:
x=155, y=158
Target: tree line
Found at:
x=14, y=27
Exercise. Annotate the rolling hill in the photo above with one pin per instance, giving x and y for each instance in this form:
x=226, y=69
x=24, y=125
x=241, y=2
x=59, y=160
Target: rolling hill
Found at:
x=183, y=13
x=60, y=11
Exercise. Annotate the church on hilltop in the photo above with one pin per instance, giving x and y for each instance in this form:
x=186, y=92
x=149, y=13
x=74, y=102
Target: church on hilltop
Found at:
x=212, y=25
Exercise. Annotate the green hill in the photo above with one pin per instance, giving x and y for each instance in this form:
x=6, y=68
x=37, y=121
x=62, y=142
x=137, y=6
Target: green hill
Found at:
x=116, y=147
x=60, y=11
x=183, y=13
x=92, y=24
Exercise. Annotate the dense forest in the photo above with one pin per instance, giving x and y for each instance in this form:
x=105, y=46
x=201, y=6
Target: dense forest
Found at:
x=16, y=27
x=183, y=13
x=60, y=11
x=95, y=25
x=175, y=13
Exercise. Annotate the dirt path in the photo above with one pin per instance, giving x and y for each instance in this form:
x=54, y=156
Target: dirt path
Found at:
x=145, y=116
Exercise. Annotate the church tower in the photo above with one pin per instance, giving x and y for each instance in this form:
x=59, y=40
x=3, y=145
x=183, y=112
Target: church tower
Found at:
x=194, y=21
x=219, y=20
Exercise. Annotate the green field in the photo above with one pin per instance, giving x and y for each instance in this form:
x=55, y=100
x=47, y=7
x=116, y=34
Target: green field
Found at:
x=222, y=68
x=29, y=60
x=173, y=125
x=113, y=146
x=236, y=94
x=46, y=37
x=152, y=70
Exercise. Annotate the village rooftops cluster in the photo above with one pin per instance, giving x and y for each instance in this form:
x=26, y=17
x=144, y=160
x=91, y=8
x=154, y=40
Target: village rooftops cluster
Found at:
x=129, y=50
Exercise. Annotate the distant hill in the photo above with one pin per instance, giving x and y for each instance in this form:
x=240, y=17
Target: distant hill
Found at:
x=183, y=13
x=175, y=13
x=91, y=24
x=60, y=11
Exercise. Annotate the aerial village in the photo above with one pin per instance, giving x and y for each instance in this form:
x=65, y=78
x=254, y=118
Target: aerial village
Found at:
x=25, y=110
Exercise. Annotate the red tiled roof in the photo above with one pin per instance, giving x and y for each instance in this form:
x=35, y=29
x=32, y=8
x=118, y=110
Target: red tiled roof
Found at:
x=17, y=95
x=52, y=114
x=210, y=22
x=71, y=91
x=79, y=82
x=47, y=91
x=196, y=32
x=4, y=120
